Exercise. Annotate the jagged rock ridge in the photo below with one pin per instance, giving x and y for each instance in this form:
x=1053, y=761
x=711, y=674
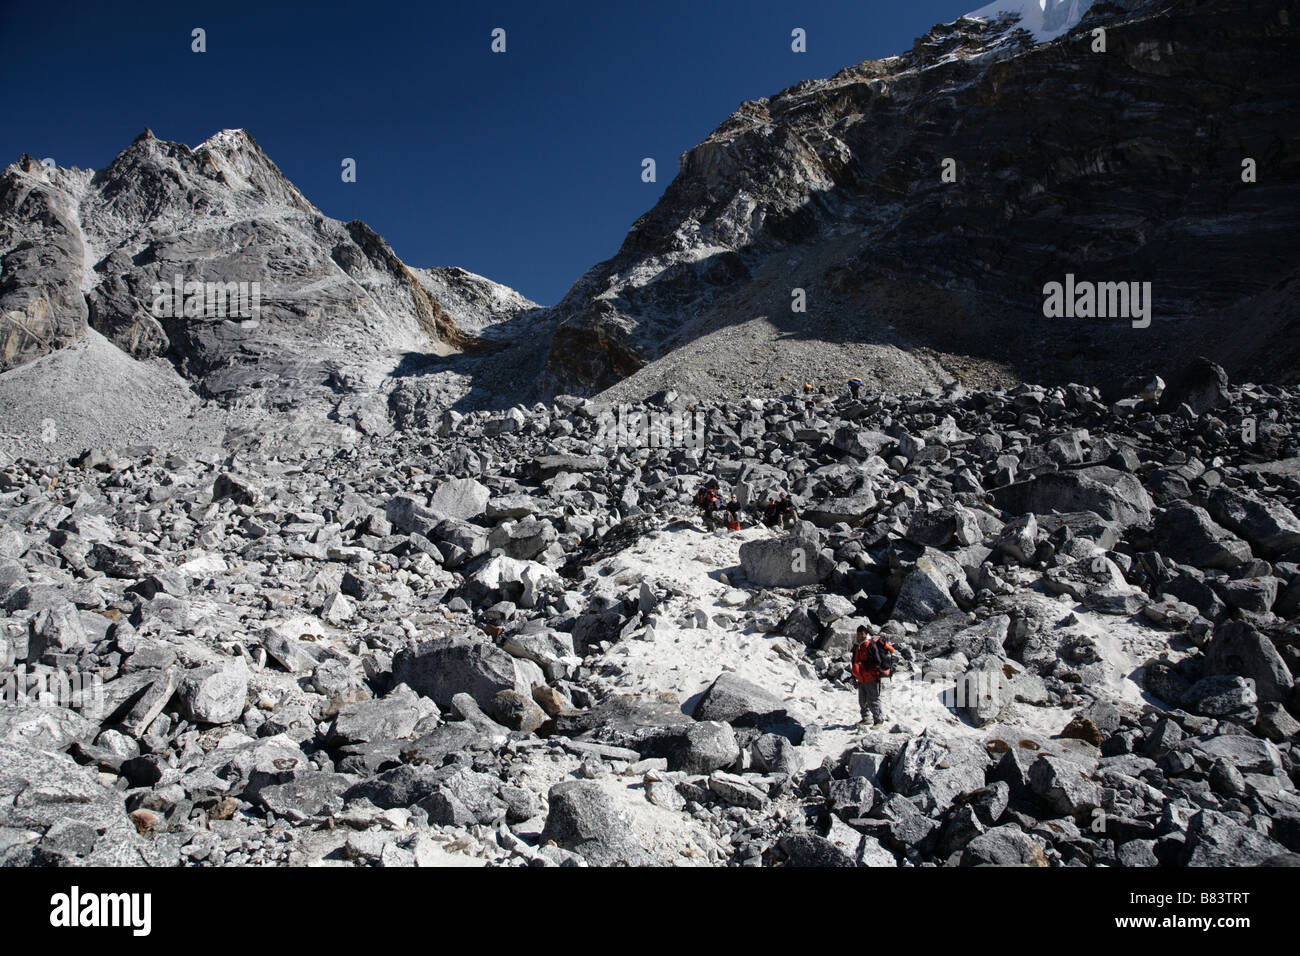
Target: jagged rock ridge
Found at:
x=1122, y=165
x=81, y=249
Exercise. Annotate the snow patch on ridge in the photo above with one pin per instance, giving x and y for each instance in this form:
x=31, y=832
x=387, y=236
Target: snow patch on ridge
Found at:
x=1045, y=19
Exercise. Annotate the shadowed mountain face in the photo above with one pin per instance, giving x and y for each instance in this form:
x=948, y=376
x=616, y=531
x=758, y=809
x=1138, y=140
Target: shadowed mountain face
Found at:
x=79, y=249
x=1123, y=165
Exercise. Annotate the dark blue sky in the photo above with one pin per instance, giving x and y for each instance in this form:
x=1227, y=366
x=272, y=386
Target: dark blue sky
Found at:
x=525, y=167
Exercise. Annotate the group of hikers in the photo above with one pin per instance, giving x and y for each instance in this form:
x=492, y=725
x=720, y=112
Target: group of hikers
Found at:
x=779, y=512
x=872, y=654
x=855, y=388
x=872, y=660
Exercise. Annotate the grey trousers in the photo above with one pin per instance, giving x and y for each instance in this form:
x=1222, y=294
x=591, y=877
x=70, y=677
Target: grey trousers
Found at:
x=869, y=704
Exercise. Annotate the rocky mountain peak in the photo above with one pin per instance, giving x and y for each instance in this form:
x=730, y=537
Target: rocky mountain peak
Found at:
x=83, y=251
x=835, y=187
x=228, y=174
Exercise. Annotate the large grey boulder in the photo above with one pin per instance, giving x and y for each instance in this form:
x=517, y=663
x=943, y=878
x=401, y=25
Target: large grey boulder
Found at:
x=1237, y=648
x=810, y=850
x=515, y=710
x=832, y=511
x=548, y=466
x=742, y=703
x=58, y=629
x=1215, y=839
x=409, y=515
x=905, y=828
x=1114, y=495
x=462, y=498
x=272, y=758
x=13, y=578
x=134, y=701
x=550, y=650
x=389, y=718
x=1201, y=385
x=942, y=528
x=1270, y=526
x=1062, y=786
x=446, y=666
x=983, y=693
x=709, y=745
x=935, y=773
x=1006, y=845
x=929, y=588
x=651, y=726
x=1096, y=582
x=309, y=794
x=456, y=737
x=464, y=797
x=44, y=727
x=1187, y=534
x=1221, y=695
x=458, y=541
x=736, y=790
x=583, y=818
x=293, y=655
x=400, y=786
x=513, y=579
x=523, y=539
x=772, y=753
x=793, y=561
x=44, y=796
x=986, y=637
x=1246, y=752
x=860, y=443
x=215, y=694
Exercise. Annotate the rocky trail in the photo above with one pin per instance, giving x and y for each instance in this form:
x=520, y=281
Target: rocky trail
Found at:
x=505, y=637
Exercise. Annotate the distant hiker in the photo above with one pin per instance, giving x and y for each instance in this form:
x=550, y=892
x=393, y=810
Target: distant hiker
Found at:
x=770, y=516
x=708, y=501
x=785, y=511
x=733, y=514
x=873, y=659
x=855, y=386
x=807, y=388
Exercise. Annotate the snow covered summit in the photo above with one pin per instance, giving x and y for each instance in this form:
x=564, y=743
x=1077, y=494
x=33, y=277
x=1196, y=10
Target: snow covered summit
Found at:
x=1045, y=19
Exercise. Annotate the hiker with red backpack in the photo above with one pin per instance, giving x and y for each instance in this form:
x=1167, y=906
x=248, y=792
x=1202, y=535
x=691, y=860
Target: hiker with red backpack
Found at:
x=873, y=660
x=708, y=501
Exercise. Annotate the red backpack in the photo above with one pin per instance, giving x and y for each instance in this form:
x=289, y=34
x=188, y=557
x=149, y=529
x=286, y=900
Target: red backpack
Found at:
x=707, y=498
x=872, y=659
